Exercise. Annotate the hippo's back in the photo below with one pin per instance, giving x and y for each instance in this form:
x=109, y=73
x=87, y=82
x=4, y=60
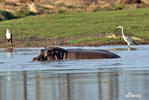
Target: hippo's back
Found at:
x=90, y=54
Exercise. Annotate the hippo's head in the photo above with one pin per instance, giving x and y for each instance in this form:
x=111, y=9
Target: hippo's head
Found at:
x=50, y=55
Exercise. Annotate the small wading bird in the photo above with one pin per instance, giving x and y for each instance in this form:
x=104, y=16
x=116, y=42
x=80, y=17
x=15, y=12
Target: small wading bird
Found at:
x=8, y=36
x=126, y=39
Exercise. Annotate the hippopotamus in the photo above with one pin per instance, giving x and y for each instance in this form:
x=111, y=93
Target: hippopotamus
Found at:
x=57, y=53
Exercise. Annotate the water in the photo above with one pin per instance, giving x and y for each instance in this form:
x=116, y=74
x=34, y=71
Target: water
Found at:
x=125, y=78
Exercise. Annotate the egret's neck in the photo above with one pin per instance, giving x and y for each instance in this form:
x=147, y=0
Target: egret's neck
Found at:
x=122, y=31
x=8, y=32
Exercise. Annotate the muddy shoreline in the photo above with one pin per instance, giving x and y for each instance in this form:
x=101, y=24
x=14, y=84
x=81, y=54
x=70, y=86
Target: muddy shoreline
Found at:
x=50, y=42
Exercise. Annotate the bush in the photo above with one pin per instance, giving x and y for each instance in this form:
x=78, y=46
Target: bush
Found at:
x=5, y=15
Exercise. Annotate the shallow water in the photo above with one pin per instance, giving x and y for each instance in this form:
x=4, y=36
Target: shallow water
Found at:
x=101, y=79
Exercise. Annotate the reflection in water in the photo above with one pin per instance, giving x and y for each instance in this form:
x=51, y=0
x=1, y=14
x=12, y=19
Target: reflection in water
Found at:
x=8, y=54
x=113, y=79
x=42, y=85
x=123, y=49
x=9, y=51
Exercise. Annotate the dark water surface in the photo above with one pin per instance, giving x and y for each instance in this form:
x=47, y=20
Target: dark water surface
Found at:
x=126, y=78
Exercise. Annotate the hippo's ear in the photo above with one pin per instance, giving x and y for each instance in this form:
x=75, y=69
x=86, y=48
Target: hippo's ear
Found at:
x=41, y=51
x=51, y=48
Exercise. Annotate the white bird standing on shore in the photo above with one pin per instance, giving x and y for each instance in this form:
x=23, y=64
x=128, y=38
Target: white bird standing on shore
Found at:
x=8, y=36
x=126, y=39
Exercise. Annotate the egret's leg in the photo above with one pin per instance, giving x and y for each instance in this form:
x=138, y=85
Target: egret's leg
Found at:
x=129, y=47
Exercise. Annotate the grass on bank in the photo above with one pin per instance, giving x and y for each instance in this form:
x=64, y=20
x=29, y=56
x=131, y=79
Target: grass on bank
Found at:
x=79, y=25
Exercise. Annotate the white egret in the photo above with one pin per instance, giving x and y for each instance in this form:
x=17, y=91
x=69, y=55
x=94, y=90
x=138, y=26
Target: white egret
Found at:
x=126, y=39
x=8, y=36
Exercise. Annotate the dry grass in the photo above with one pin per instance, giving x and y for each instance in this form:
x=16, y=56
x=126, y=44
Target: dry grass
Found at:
x=56, y=6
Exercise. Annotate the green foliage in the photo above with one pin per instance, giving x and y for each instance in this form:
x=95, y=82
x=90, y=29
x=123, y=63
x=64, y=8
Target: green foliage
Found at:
x=105, y=39
x=67, y=25
x=86, y=39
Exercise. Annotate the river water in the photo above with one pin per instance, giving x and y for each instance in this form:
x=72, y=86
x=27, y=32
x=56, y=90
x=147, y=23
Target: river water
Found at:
x=125, y=78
